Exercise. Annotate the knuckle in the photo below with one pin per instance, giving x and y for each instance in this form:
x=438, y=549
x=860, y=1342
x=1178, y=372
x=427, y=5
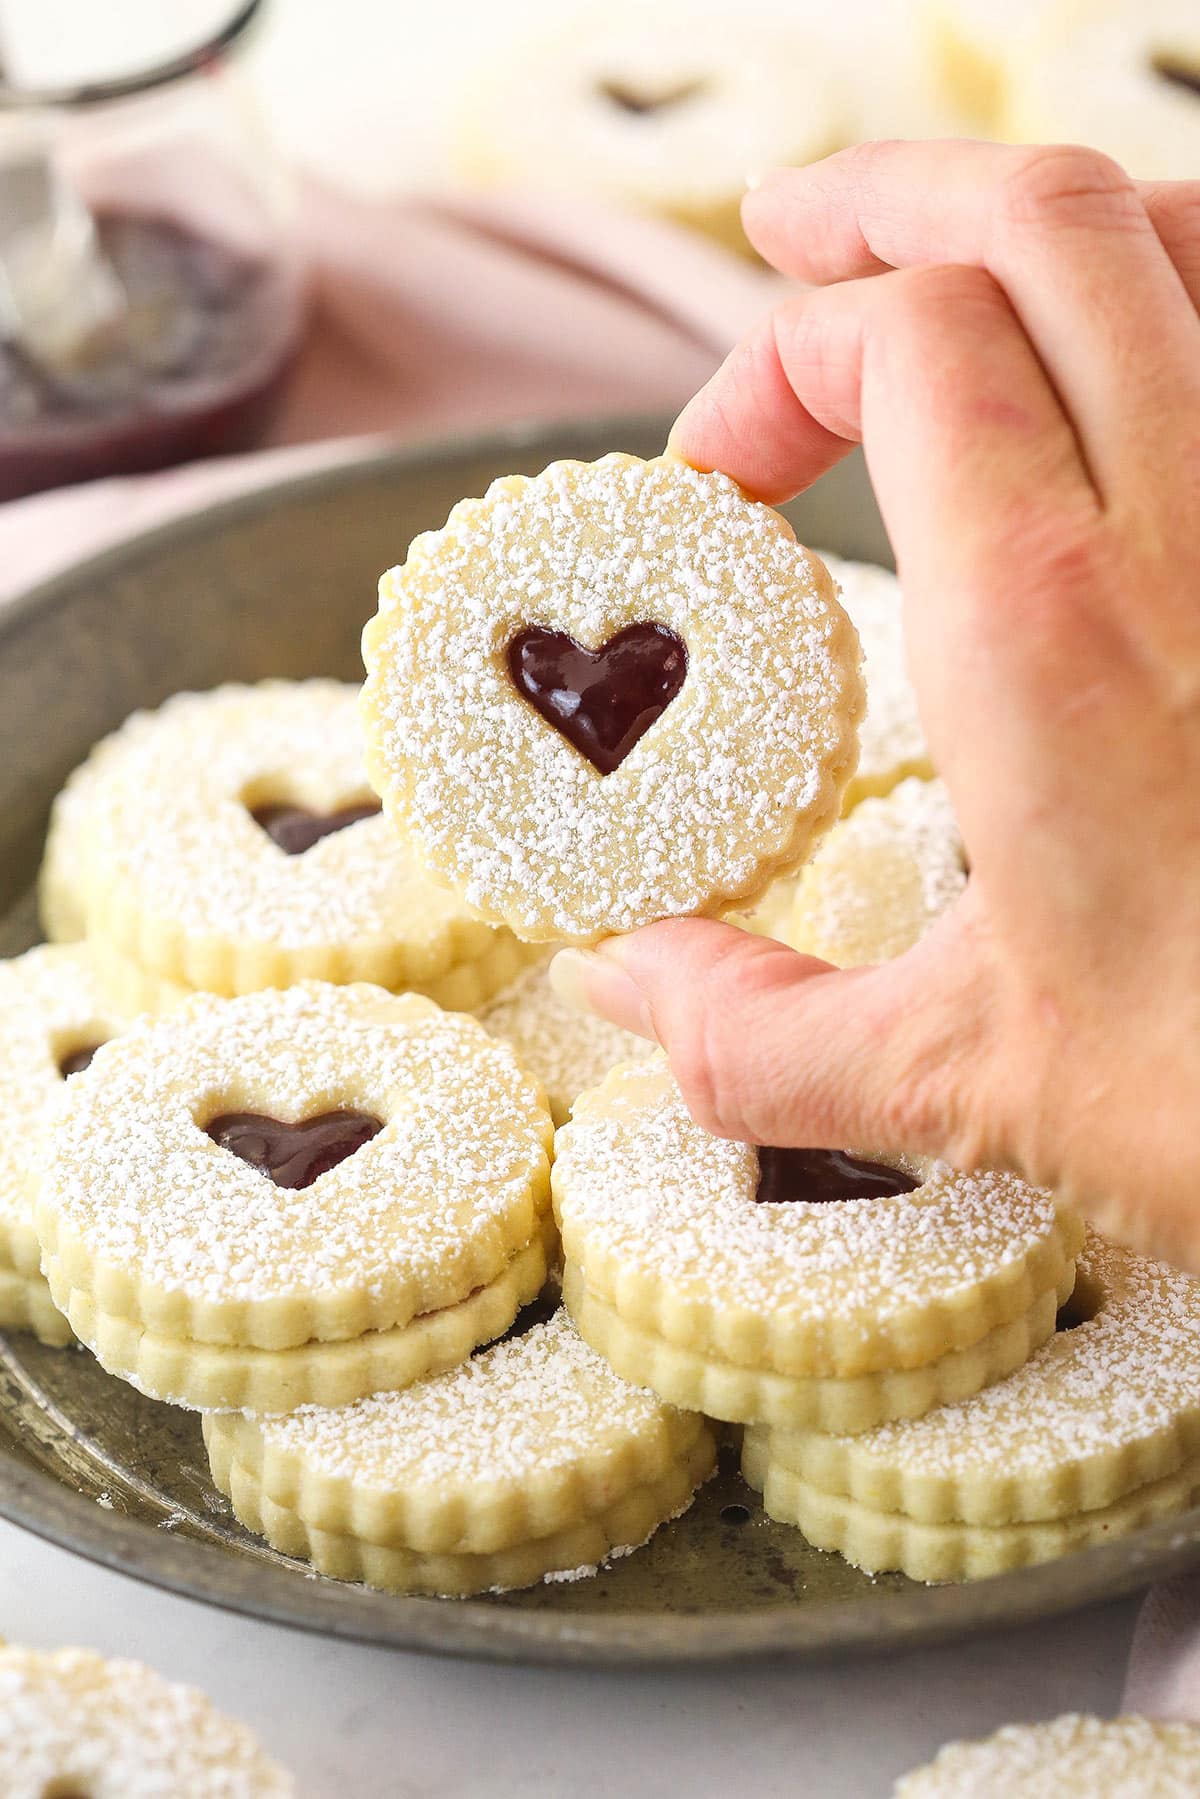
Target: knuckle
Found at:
x=1174, y=209
x=1066, y=184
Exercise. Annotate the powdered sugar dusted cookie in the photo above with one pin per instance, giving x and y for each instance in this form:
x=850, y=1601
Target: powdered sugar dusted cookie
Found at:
x=230, y=842
x=891, y=739
x=615, y=692
x=794, y=1286
x=567, y=1049
x=881, y=878
x=530, y=1459
x=73, y=1723
x=660, y=107
x=1126, y=80
x=1097, y=1433
x=978, y=48
x=295, y=1197
x=1110, y=1758
x=53, y=1017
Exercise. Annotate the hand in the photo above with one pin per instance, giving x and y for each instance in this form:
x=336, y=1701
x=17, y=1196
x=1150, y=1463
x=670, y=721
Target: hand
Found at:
x=1013, y=335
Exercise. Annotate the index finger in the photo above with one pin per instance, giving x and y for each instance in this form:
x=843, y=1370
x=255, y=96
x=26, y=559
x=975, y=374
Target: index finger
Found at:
x=1066, y=234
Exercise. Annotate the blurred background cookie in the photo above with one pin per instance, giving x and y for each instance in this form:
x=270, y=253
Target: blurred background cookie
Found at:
x=657, y=108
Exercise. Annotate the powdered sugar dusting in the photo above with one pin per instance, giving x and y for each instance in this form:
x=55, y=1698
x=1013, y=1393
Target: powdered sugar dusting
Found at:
x=1120, y=1758
x=50, y=1003
x=747, y=760
x=634, y=1174
x=117, y=1730
x=538, y=1402
x=891, y=738
x=171, y=831
x=567, y=1049
x=134, y=1177
x=1122, y=1377
x=882, y=877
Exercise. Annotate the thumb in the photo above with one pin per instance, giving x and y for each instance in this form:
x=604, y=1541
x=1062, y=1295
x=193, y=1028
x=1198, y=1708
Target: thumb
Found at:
x=773, y=1047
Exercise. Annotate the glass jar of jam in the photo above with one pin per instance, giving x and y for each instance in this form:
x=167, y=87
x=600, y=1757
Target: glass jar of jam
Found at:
x=149, y=300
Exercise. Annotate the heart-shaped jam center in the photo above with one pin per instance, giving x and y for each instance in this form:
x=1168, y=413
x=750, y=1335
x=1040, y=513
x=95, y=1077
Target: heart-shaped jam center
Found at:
x=77, y=1059
x=824, y=1175
x=295, y=829
x=293, y=1155
x=602, y=701
x=1178, y=73
x=640, y=103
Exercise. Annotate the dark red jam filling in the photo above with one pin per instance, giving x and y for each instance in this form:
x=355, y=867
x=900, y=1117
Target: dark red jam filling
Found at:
x=602, y=701
x=293, y=1155
x=198, y=369
x=822, y=1176
x=295, y=829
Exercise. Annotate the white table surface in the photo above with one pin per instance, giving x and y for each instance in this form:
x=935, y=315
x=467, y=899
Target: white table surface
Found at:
x=358, y=1723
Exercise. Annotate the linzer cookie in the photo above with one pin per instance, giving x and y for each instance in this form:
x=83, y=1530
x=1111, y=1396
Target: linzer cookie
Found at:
x=53, y=1018
x=881, y=878
x=615, y=692
x=978, y=48
x=1125, y=79
x=530, y=1460
x=567, y=1049
x=295, y=1197
x=62, y=879
x=892, y=742
x=230, y=842
x=660, y=108
x=1107, y=1758
x=794, y=1287
x=1097, y=1434
x=73, y=1724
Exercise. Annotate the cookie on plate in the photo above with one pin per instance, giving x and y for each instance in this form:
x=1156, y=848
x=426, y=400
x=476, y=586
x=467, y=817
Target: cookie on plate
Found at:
x=567, y=1049
x=794, y=1286
x=892, y=744
x=230, y=842
x=73, y=1723
x=659, y=108
x=531, y=1460
x=1105, y=1757
x=54, y=1015
x=1097, y=1434
x=614, y=692
x=881, y=878
x=295, y=1197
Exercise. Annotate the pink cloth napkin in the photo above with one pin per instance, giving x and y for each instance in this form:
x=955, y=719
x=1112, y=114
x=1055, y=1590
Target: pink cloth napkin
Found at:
x=438, y=316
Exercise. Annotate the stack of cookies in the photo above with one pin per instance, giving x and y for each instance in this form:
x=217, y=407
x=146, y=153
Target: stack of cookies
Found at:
x=263, y=1171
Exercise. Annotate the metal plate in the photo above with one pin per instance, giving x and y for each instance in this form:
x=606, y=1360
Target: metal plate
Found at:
x=280, y=583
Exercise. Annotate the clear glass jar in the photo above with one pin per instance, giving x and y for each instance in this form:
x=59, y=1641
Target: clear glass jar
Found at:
x=150, y=301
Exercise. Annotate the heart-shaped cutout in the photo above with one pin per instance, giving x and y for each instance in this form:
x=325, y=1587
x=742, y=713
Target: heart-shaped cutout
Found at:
x=295, y=829
x=293, y=1155
x=602, y=701
x=823, y=1176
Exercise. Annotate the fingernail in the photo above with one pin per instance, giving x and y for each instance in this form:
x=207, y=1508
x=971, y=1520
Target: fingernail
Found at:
x=593, y=981
x=754, y=179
